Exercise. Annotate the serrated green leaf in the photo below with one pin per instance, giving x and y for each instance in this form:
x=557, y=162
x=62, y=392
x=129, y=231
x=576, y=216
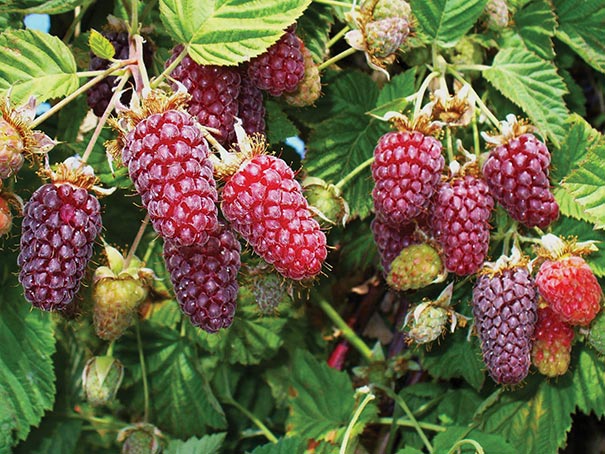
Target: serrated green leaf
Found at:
x=589, y=381
x=55, y=435
x=27, y=379
x=534, y=85
x=586, y=184
x=208, y=444
x=183, y=403
x=35, y=64
x=279, y=126
x=444, y=441
x=535, y=23
x=323, y=399
x=314, y=29
x=41, y=7
x=446, y=21
x=294, y=445
x=227, y=32
x=581, y=28
x=584, y=231
x=392, y=97
x=100, y=46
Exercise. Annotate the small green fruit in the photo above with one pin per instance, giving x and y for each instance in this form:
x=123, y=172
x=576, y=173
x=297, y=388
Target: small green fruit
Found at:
x=416, y=266
x=141, y=438
x=101, y=379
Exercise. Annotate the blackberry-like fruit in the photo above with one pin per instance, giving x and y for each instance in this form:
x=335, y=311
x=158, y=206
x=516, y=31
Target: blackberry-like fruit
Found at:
x=167, y=159
x=309, y=88
x=204, y=277
x=281, y=68
x=505, y=310
x=60, y=224
x=265, y=205
x=551, y=352
x=214, y=93
x=251, y=107
x=461, y=210
x=517, y=175
x=391, y=240
x=406, y=169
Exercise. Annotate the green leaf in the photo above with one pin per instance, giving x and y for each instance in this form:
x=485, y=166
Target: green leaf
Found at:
x=55, y=435
x=100, y=45
x=535, y=23
x=35, y=64
x=534, y=85
x=409, y=450
x=392, y=96
x=208, y=444
x=581, y=28
x=444, y=441
x=279, y=126
x=446, y=21
x=41, y=7
x=27, y=379
x=314, y=29
x=589, y=382
x=322, y=399
x=227, y=32
x=182, y=403
x=584, y=231
x=292, y=445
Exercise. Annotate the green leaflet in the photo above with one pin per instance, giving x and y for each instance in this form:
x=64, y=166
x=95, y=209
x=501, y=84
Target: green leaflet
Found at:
x=40, y=7
x=35, y=64
x=227, y=32
x=208, y=444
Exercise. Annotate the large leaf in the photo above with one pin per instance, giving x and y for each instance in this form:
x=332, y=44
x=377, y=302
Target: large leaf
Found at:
x=35, y=64
x=322, y=399
x=40, y=7
x=534, y=85
x=208, y=444
x=581, y=28
x=535, y=23
x=292, y=445
x=314, y=28
x=444, y=441
x=56, y=435
x=227, y=32
x=27, y=379
x=446, y=21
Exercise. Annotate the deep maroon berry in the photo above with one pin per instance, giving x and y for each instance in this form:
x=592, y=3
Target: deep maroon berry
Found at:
x=517, y=175
x=461, y=210
x=406, y=169
x=281, y=68
x=505, y=311
x=214, y=93
x=265, y=205
x=204, y=277
x=391, y=240
x=251, y=107
x=60, y=224
x=167, y=159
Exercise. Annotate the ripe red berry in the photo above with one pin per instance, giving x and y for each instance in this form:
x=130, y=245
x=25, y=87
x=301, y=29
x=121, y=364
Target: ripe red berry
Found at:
x=571, y=289
x=251, y=107
x=60, y=224
x=167, y=159
x=265, y=205
x=551, y=352
x=517, y=175
x=390, y=240
x=281, y=68
x=204, y=277
x=406, y=169
x=461, y=211
x=214, y=93
x=505, y=311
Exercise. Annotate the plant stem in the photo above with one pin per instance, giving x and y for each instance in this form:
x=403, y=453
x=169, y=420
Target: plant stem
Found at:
x=134, y=16
x=472, y=67
x=356, y=171
x=449, y=144
x=91, y=83
x=143, y=372
x=89, y=73
x=407, y=423
x=257, y=422
x=338, y=35
x=367, y=399
x=170, y=68
x=97, y=132
x=136, y=241
x=476, y=142
x=149, y=250
x=346, y=330
x=414, y=423
x=467, y=441
x=334, y=3
x=110, y=349
x=336, y=58
x=77, y=19
x=147, y=9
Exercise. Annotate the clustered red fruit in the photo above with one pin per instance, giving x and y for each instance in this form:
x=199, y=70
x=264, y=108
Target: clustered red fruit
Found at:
x=265, y=205
x=390, y=240
x=204, y=277
x=215, y=92
x=281, y=68
x=517, y=175
x=505, y=311
x=60, y=224
x=406, y=169
x=571, y=289
x=551, y=351
x=461, y=211
x=167, y=159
